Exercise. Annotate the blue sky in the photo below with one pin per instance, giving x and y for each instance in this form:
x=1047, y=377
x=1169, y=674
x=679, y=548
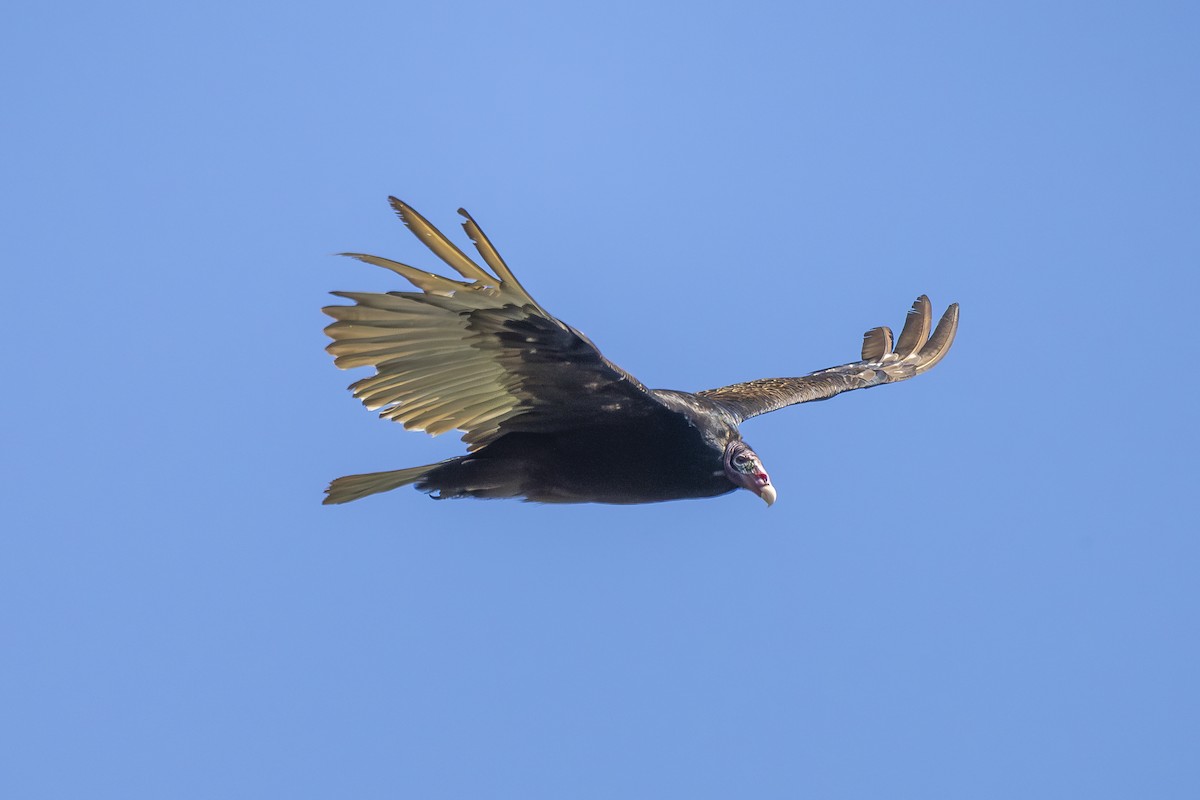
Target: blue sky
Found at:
x=980, y=583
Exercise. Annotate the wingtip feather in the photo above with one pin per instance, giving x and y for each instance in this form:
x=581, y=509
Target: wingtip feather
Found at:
x=877, y=343
x=941, y=340
x=916, y=327
x=441, y=246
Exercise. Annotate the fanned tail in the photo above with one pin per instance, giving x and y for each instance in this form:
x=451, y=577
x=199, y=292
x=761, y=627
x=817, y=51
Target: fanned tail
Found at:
x=502, y=469
x=353, y=487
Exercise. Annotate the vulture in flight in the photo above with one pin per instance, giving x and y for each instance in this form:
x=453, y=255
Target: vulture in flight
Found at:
x=545, y=416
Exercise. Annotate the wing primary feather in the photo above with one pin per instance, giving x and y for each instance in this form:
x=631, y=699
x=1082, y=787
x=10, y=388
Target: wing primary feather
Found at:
x=442, y=247
x=425, y=281
x=939, y=343
x=492, y=257
x=877, y=343
x=916, y=327
x=399, y=303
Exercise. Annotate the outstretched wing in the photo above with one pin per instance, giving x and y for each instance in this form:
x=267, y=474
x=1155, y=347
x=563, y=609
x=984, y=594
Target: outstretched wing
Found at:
x=916, y=351
x=479, y=354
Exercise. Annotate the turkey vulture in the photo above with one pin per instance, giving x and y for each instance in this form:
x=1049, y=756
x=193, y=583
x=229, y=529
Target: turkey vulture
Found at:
x=545, y=416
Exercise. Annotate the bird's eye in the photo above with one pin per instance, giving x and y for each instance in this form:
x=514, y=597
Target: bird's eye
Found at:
x=741, y=460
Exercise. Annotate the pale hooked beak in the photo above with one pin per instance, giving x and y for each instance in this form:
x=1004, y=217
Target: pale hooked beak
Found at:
x=743, y=468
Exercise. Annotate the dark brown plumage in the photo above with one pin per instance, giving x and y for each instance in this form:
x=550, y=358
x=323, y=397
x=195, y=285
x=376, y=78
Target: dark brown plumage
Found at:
x=545, y=416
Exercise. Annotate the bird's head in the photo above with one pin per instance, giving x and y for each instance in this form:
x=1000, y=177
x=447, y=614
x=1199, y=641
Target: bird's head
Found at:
x=744, y=468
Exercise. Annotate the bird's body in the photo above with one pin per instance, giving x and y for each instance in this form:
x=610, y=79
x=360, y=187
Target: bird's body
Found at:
x=602, y=464
x=547, y=418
